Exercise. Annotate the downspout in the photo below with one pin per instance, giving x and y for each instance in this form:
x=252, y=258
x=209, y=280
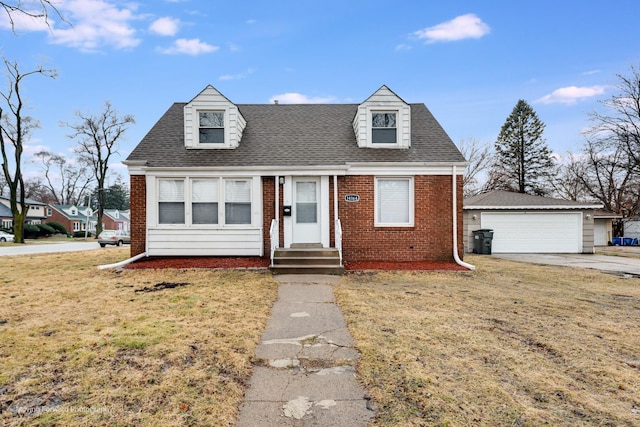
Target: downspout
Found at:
x=122, y=263
x=456, y=257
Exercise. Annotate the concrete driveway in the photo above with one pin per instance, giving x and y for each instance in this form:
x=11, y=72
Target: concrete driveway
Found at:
x=618, y=260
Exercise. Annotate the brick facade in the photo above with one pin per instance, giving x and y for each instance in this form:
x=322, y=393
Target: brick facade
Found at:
x=138, y=191
x=430, y=239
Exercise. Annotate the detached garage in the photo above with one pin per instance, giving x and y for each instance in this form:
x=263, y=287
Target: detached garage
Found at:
x=523, y=223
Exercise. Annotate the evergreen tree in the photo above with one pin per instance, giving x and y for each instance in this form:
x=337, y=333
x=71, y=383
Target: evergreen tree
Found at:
x=523, y=161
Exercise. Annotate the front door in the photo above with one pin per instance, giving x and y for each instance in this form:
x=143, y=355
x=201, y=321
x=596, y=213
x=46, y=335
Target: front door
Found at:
x=306, y=210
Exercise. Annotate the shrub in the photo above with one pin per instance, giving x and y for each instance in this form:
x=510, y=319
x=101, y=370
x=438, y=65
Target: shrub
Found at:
x=81, y=234
x=59, y=228
x=45, y=230
x=31, y=231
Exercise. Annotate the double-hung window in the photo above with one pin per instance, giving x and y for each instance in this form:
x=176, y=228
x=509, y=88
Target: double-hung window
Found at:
x=237, y=201
x=211, y=127
x=394, y=202
x=204, y=201
x=171, y=201
x=383, y=128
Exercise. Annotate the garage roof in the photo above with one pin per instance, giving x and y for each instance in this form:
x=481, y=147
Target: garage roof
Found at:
x=498, y=199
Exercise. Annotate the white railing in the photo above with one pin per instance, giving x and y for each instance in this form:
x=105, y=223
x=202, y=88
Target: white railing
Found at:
x=339, y=238
x=274, y=238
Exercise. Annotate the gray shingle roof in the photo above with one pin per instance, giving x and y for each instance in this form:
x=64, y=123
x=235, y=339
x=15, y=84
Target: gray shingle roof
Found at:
x=498, y=199
x=293, y=135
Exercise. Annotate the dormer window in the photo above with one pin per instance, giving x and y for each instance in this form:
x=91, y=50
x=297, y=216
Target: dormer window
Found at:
x=383, y=128
x=211, y=126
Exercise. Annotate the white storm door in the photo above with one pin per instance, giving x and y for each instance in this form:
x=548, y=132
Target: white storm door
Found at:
x=306, y=210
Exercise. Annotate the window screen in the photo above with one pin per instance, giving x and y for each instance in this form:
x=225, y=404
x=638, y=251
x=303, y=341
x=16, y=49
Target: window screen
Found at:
x=306, y=203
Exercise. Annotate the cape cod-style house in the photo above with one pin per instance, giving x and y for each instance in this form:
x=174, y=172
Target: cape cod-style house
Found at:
x=379, y=180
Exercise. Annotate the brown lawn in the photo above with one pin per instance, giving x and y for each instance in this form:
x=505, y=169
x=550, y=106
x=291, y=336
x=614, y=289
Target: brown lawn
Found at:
x=508, y=345
x=81, y=346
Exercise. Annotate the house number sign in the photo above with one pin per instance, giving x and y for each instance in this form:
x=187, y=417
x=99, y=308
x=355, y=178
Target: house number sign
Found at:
x=352, y=198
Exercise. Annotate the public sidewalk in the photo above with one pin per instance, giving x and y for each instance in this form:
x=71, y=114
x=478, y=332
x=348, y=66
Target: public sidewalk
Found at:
x=305, y=374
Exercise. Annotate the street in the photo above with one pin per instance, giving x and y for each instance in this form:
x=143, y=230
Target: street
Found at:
x=14, y=249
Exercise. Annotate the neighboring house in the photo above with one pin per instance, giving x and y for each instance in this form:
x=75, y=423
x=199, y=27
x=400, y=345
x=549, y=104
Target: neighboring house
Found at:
x=73, y=218
x=603, y=227
x=375, y=180
x=632, y=228
x=523, y=223
x=114, y=219
x=35, y=215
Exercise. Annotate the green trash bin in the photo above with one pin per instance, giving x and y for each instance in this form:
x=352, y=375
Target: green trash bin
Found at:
x=482, y=241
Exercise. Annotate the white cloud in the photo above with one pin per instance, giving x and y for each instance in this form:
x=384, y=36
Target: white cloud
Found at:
x=298, y=98
x=192, y=47
x=467, y=26
x=591, y=72
x=571, y=94
x=403, y=47
x=94, y=25
x=236, y=76
x=251, y=21
x=165, y=26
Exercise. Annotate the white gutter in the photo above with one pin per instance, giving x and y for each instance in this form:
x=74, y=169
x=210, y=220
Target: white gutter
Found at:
x=456, y=257
x=122, y=263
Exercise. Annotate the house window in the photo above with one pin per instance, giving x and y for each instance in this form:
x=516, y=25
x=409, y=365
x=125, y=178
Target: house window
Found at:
x=49, y=212
x=383, y=128
x=211, y=126
x=237, y=201
x=76, y=226
x=171, y=201
x=204, y=201
x=394, y=202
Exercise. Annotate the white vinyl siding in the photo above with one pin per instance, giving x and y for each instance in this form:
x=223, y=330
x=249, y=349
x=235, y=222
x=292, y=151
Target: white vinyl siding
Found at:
x=210, y=100
x=394, y=202
x=383, y=101
x=205, y=231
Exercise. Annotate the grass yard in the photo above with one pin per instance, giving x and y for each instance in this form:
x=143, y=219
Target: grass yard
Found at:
x=509, y=345
x=81, y=346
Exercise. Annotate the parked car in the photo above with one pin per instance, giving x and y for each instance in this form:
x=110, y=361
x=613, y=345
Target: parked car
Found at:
x=113, y=237
x=6, y=237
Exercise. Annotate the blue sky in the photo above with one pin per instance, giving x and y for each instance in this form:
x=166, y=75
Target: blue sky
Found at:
x=468, y=61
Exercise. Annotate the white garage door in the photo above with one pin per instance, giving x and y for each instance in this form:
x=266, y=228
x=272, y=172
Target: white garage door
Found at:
x=535, y=232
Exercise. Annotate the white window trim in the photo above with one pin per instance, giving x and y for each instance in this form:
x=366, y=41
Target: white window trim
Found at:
x=196, y=129
x=370, y=112
x=376, y=223
x=188, y=202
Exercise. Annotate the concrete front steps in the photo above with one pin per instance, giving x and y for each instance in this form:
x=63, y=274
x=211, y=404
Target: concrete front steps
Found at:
x=307, y=259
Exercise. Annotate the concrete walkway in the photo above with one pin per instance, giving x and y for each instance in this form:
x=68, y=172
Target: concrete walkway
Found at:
x=306, y=370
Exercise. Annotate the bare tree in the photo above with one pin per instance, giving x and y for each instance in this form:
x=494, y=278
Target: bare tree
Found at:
x=66, y=181
x=569, y=175
x=98, y=138
x=15, y=130
x=619, y=122
x=42, y=11
x=480, y=159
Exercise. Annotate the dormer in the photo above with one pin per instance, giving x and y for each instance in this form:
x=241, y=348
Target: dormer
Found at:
x=383, y=121
x=73, y=211
x=211, y=121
